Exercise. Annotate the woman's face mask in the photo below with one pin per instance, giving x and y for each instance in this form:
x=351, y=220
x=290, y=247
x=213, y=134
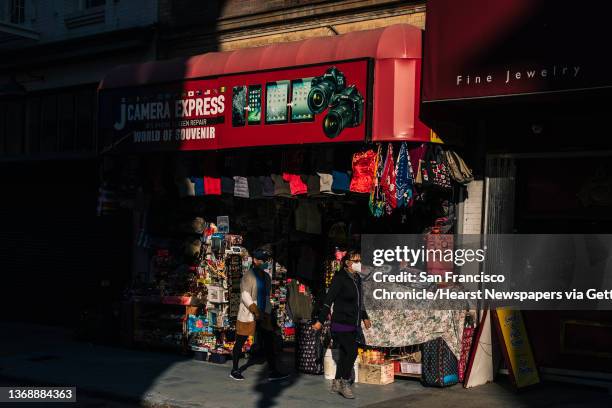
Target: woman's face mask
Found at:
x=356, y=266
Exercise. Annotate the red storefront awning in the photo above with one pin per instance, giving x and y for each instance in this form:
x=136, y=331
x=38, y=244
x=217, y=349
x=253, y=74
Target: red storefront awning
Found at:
x=394, y=42
x=384, y=65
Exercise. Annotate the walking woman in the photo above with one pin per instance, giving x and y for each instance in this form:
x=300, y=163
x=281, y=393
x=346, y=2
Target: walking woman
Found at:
x=346, y=296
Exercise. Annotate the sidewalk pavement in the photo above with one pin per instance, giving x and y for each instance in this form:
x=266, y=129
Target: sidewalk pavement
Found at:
x=48, y=355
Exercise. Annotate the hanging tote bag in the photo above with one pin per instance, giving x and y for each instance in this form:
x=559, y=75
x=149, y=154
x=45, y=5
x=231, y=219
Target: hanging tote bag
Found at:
x=437, y=169
x=459, y=171
x=364, y=170
x=376, y=202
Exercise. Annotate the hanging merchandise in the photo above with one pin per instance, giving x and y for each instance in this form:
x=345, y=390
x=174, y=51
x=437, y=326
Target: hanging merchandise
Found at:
x=255, y=187
x=326, y=183
x=388, y=181
x=241, y=187
x=196, y=324
x=227, y=185
x=212, y=185
x=296, y=184
x=466, y=344
x=364, y=167
x=333, y=265
x=376, y=202
x=340, y=181
x=299, y=299
x=459, y=171
x=437, y=169
x=198, y=185
x=314, y=185
x=417, y=153
x=423, y=176
x=404, y=179
x=281, y=187
x=267, y=185
x=185, y=186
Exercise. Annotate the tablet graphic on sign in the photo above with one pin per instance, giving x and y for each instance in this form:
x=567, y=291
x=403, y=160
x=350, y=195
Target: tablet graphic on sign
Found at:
x=276, y=101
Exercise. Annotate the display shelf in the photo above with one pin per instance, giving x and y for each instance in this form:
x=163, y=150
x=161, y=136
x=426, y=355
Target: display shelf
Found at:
x=407, y=375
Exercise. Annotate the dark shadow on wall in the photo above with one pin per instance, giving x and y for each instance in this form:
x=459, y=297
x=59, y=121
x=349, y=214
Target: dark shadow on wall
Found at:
x=60, y=263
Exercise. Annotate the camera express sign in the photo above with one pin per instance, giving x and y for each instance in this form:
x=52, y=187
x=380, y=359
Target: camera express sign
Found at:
x=311, y=104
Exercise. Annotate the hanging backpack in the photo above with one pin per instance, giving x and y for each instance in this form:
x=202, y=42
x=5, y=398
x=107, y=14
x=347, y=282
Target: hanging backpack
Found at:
x=459, y=171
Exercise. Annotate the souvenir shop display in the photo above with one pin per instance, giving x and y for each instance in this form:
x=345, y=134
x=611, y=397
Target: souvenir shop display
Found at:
x=310, y=211
x=279, y=303
x=333, y=265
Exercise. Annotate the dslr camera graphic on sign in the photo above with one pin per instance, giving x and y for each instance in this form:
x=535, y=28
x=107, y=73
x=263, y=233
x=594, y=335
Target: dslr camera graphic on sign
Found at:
x=345, y=103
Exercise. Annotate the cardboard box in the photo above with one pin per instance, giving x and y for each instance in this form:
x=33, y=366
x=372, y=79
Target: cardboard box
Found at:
x=410, y=368
x=376, y=373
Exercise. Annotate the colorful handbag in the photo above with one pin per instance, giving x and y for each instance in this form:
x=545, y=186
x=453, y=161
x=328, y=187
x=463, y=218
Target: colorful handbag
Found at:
x=376, y=202
x=404, y=179
x=364, y=170
x=309, y=349
x=439, y=364
x=423, y=176
x=388, y=181
x=459, y=171
x=437, y=169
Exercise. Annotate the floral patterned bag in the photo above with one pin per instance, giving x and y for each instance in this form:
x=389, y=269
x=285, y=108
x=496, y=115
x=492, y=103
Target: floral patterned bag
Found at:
x=437, y=170
x=388, y=181
x=376, y=202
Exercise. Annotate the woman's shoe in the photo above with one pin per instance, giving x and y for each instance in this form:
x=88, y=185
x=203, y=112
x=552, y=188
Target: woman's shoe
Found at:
x=335, y=385
x=345, y=389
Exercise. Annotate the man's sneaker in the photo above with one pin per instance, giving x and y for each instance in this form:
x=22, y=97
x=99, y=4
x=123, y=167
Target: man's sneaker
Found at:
x=236, y=375
x=335, y=385
x=276, y=376
x=345, y=389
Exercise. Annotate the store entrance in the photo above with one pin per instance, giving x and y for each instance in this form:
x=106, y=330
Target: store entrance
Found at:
x=567, y=195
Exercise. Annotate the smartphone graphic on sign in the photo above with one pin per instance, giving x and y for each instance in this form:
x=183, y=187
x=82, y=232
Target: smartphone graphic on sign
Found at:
x=239, y=105
x=300, y=112
x=276, y=101
x=254, y=105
